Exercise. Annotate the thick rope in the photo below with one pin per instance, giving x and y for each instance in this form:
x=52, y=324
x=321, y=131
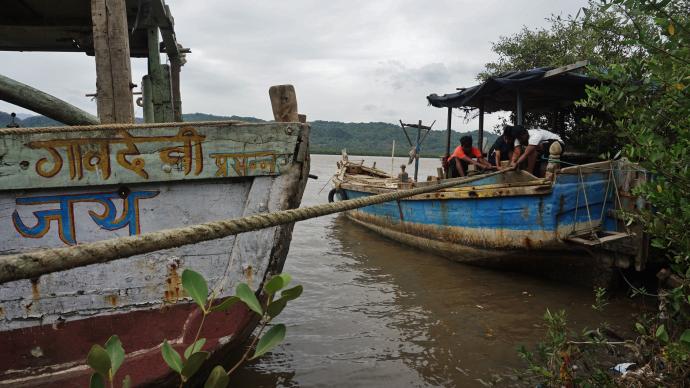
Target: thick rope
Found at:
x=36, y=263
x=118, y=126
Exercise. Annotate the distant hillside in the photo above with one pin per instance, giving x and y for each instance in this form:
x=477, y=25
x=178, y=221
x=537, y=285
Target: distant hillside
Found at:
x=327, y=137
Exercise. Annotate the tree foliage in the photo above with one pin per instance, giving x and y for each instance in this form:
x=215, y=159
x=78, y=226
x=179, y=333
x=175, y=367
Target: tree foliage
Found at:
x=644, y=99
x=648, y=98
x=593, y=35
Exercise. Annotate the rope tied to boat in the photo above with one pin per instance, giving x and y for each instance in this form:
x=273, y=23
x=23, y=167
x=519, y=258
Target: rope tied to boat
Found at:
x=33, y=264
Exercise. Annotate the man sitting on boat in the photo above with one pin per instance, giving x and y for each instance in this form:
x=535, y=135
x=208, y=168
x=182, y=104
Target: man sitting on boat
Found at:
x=462, y=157
x=502, y=149
x=537, y=143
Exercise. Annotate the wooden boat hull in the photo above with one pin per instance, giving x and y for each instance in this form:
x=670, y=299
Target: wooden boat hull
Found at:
x=49, y=324
x=492, y=221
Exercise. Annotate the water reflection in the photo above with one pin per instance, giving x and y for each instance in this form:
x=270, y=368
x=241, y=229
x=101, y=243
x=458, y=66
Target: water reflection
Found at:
x=377, y=313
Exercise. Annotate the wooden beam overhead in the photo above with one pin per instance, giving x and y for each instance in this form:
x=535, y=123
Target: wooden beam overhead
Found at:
x=566, y=68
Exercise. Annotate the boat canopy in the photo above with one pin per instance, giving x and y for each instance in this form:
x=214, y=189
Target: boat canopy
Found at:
x=541, y=90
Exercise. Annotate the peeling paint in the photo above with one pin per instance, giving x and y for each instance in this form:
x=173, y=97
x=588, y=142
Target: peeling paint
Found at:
x=35, y=292
x=112, y=299
x=37, y=352
x=28, y=307
x=474, y=237
x=528, y=243
x=540, y=212
x=249, y=274
x=173, y=283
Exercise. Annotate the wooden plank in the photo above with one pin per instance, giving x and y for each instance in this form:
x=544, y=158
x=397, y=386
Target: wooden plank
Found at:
x=144, y=154
x=565, y=69
x=113, y=67
x=586, y=239
x=33, y=99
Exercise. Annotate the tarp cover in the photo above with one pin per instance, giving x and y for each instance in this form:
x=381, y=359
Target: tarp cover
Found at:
x=538, y=93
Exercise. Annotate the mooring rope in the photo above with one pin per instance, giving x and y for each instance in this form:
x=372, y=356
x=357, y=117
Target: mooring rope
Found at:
x=33, y=264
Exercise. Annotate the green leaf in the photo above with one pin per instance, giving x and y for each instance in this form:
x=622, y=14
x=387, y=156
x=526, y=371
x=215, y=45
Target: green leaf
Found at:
x=195, y=347
x=99, y=360
x=225, y=304
x=292, y=293
x=640, y=328
x=218, y=378
x=171, y=357
x=116, y=353
x=97, y=381
x=685, y=337
x=269, y=340
x=193, y=363
x=247, y=296
x=276, y=307
x=127, y=382
x=196, y=287
x=277, y=283
x=661, y=334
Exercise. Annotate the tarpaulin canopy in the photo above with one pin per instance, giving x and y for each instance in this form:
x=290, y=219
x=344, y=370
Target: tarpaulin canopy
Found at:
x=539, y=91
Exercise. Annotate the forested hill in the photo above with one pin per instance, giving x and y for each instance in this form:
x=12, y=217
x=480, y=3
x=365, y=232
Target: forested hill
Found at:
x=327, y=137
x=377, y=139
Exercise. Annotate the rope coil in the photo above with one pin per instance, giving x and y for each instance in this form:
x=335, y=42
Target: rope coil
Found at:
x=36, y=263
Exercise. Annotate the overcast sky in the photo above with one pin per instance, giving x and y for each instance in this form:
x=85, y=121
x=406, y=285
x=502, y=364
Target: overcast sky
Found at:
x=352, y=61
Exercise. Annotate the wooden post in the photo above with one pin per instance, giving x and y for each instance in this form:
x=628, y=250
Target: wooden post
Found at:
x=417, y=149
x=113, y=67
x=519, y=109
x=161, y=88
x=147, y=92
x=450, y=131
x=284, y=103
x=175, y=68
x=554, y=164
x=393, y=158
x=450, y=118
x=480, y=136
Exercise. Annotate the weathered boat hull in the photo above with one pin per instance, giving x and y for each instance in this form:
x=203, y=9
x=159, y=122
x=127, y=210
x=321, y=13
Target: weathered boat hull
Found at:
x=49, y=324
x=494, y=221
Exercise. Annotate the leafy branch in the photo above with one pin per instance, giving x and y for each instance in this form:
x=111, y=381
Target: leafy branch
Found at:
x=105, y=361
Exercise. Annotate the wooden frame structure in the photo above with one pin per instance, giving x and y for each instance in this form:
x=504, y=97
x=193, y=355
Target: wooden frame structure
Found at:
x=113, y=31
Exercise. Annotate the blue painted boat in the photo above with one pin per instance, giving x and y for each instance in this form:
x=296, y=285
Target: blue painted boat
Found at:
x=512, y=217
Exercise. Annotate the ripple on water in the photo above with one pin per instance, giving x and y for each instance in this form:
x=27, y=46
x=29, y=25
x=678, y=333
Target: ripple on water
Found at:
x=375, y=313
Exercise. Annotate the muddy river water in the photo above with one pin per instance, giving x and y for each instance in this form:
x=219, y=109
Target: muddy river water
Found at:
x=375, y=313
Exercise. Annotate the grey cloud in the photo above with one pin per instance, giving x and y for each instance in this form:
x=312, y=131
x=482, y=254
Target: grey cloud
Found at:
x=355, y=60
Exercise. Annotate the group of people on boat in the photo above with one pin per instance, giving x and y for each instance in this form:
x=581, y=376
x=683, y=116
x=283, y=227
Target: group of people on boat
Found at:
x=519, y=147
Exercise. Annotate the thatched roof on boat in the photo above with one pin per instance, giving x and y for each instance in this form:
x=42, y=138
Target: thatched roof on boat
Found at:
x=542, y=89
x=65, y=25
